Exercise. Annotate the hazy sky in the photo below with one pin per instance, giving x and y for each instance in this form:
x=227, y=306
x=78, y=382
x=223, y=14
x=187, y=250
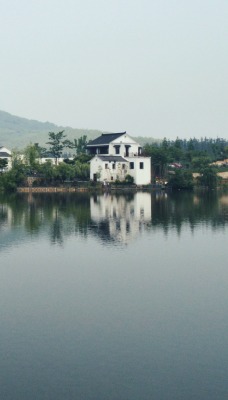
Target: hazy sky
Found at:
x=151, y=67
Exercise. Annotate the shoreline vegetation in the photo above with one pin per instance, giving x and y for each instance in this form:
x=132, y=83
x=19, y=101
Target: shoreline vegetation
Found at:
x=176, y=165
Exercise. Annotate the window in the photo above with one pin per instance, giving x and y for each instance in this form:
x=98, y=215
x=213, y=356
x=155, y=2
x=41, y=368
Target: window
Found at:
x=141, y=165
x=127, y=146
x=132, y=166
x=113, y=166
x=106, y=166
x=123, y=166
x=117, y=148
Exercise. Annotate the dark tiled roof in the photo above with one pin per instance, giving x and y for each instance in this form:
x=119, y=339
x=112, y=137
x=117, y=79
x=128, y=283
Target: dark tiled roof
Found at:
x=112, y=158
x=48, y=155
x=4, y=154
x=105, y=138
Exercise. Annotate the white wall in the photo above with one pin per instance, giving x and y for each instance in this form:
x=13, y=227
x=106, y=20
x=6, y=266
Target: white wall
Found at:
x=9, y=158
x=97, y=166
x=52, y=160
x=141, y=176
x=122, y=141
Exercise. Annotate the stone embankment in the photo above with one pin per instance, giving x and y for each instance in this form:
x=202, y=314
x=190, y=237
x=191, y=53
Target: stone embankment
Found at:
x=86, y=188
x=50, y=189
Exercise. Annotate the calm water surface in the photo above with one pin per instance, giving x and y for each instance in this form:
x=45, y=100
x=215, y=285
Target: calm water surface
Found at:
x=114, y=297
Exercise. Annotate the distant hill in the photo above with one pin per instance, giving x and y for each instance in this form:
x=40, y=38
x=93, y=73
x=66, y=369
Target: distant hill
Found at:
x=17, y=132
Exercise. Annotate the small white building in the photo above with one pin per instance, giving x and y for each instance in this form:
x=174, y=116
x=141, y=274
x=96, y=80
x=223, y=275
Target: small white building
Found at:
x=117, y=155
x=53, y=160
x=6, y=154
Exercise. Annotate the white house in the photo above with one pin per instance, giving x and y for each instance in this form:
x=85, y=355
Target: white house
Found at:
x=6, y=154
x=117, y=155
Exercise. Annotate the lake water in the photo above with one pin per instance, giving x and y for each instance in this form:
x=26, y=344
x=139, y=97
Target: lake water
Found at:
x=107, y=297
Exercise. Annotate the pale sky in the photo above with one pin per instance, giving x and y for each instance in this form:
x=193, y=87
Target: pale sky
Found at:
x=151, y=67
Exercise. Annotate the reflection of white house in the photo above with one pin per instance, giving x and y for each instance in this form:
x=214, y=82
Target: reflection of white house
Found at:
x=6, y=154
x=124, y=218
x=117, y=155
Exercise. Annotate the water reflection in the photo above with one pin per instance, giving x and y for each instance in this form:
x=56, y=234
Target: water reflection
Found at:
x=111, y=218
x=174, y=210
x=146, y=319
x=120, y=218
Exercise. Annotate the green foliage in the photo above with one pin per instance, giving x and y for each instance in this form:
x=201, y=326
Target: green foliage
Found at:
x=181, y=180
x=129, y=179
x=208, y=177
x=83, y=158
x=3, y=163
x=226, y=151
x=192, y=154
x=78, y=144
x=159, y=158
x=200, y=162
x=64, y=172
x=82, y=170
x=175, y=153
x=41, y=151
x=56, y=143
x=47, y=171
x=71, y=144
x=10, y=180
x=16, y=158
x=31, y=154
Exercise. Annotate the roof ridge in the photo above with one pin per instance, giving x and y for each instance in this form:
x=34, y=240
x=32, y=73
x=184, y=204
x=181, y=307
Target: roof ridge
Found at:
x=113, y=133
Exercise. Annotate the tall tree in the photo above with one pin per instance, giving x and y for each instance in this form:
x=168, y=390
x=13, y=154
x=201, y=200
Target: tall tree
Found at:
x=208, y=177
x=78, y=144
x=40, y=150
x=158, y=159
x=56, y=142
x=82, y=143
x=31, y=155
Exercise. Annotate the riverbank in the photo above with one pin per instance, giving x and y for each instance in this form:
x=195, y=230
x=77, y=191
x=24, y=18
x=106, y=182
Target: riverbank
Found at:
x=50, y=189
x=86, y=188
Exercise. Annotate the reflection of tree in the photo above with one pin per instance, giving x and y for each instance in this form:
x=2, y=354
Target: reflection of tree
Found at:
x=175, y=209
x=3, y=214
x=32, y=218
x=60, y=215
x=56, y=228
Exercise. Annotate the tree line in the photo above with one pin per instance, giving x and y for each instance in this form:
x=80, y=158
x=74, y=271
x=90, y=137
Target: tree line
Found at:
x=173, y=162
x=176, y=161
x=46, y=172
